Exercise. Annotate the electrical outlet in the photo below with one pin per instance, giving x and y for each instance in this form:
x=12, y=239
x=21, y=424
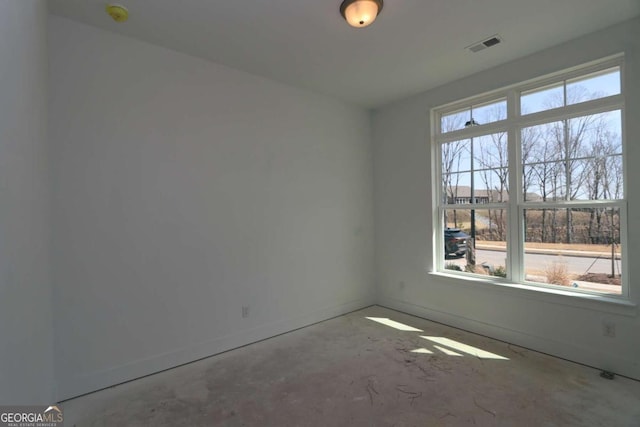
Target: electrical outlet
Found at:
x=609, y=329
x=245, y=311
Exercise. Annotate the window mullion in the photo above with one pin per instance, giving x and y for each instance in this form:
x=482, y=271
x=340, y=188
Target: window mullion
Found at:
x=436, y=164
x=514, y=229
x=623, y=244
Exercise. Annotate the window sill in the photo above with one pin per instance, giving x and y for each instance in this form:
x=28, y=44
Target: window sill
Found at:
x=603, y=303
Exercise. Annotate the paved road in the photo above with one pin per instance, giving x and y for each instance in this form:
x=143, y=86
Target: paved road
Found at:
x=577, y=265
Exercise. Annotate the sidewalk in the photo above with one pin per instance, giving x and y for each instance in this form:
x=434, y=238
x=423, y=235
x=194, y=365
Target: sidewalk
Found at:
x=565, y=252
x=591, y=286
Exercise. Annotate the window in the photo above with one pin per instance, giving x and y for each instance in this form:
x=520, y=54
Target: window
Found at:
x=531, y=183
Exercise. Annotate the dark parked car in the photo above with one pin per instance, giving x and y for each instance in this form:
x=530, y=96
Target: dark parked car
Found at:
x=455, y=242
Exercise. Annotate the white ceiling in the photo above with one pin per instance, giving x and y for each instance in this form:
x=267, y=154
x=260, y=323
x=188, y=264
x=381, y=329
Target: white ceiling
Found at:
x=413, y=46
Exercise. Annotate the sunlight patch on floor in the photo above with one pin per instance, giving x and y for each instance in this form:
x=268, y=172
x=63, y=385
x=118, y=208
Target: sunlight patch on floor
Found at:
x=394, y=324
x=422, y=351
x=482, y=354
x=447, y=351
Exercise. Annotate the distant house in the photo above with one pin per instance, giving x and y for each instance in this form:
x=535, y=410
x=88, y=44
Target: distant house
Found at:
x=462, y=195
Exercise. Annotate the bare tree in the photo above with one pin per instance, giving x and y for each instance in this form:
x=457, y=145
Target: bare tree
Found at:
x=452, y=154
x=543, y=172
x=604, y=178
x=492, y=160
x=559, y=155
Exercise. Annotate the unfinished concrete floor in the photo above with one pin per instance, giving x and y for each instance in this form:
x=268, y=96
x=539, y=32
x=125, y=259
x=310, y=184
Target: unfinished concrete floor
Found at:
x=358, y=371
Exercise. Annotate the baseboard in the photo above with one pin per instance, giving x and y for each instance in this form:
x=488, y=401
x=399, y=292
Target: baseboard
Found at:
x=83, y=384
x=595, y=357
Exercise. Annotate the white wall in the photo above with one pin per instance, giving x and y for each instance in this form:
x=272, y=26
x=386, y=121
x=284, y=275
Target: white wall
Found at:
x=26, y=342
x=404, y=234
x=183, y=190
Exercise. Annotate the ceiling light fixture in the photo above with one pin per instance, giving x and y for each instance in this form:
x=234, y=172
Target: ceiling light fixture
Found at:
x=117, y=12
x=360, y=13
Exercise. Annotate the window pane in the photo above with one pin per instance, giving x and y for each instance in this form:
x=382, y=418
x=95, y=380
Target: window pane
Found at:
x=545, y=181
x=594, y=86
x=454, y=121
x=489, y=230
x=544, y=173
x=491, y=226
x=579, y=173
x=543, y=143
x=573, y=248
x=612, y=179
x=489, y=113
x=597, y=178
x=542, y=99
x=456, y=156
x=490, y=151
x=456, y=188
x=478, y=114
x=595, y=135
x=491, y=186
x=595, y=140
x=580, y=164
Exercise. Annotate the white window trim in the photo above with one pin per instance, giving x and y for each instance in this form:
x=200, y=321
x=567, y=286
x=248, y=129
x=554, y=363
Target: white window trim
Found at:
x=514, y=207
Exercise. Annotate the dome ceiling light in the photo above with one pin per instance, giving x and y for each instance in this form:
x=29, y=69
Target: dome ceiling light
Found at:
x=117, y=12
x=360, y=13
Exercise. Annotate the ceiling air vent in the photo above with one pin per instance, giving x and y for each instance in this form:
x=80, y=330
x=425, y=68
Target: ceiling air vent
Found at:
x=491, y=41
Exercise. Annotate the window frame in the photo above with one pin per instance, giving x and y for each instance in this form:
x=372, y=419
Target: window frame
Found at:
x=515, y=206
